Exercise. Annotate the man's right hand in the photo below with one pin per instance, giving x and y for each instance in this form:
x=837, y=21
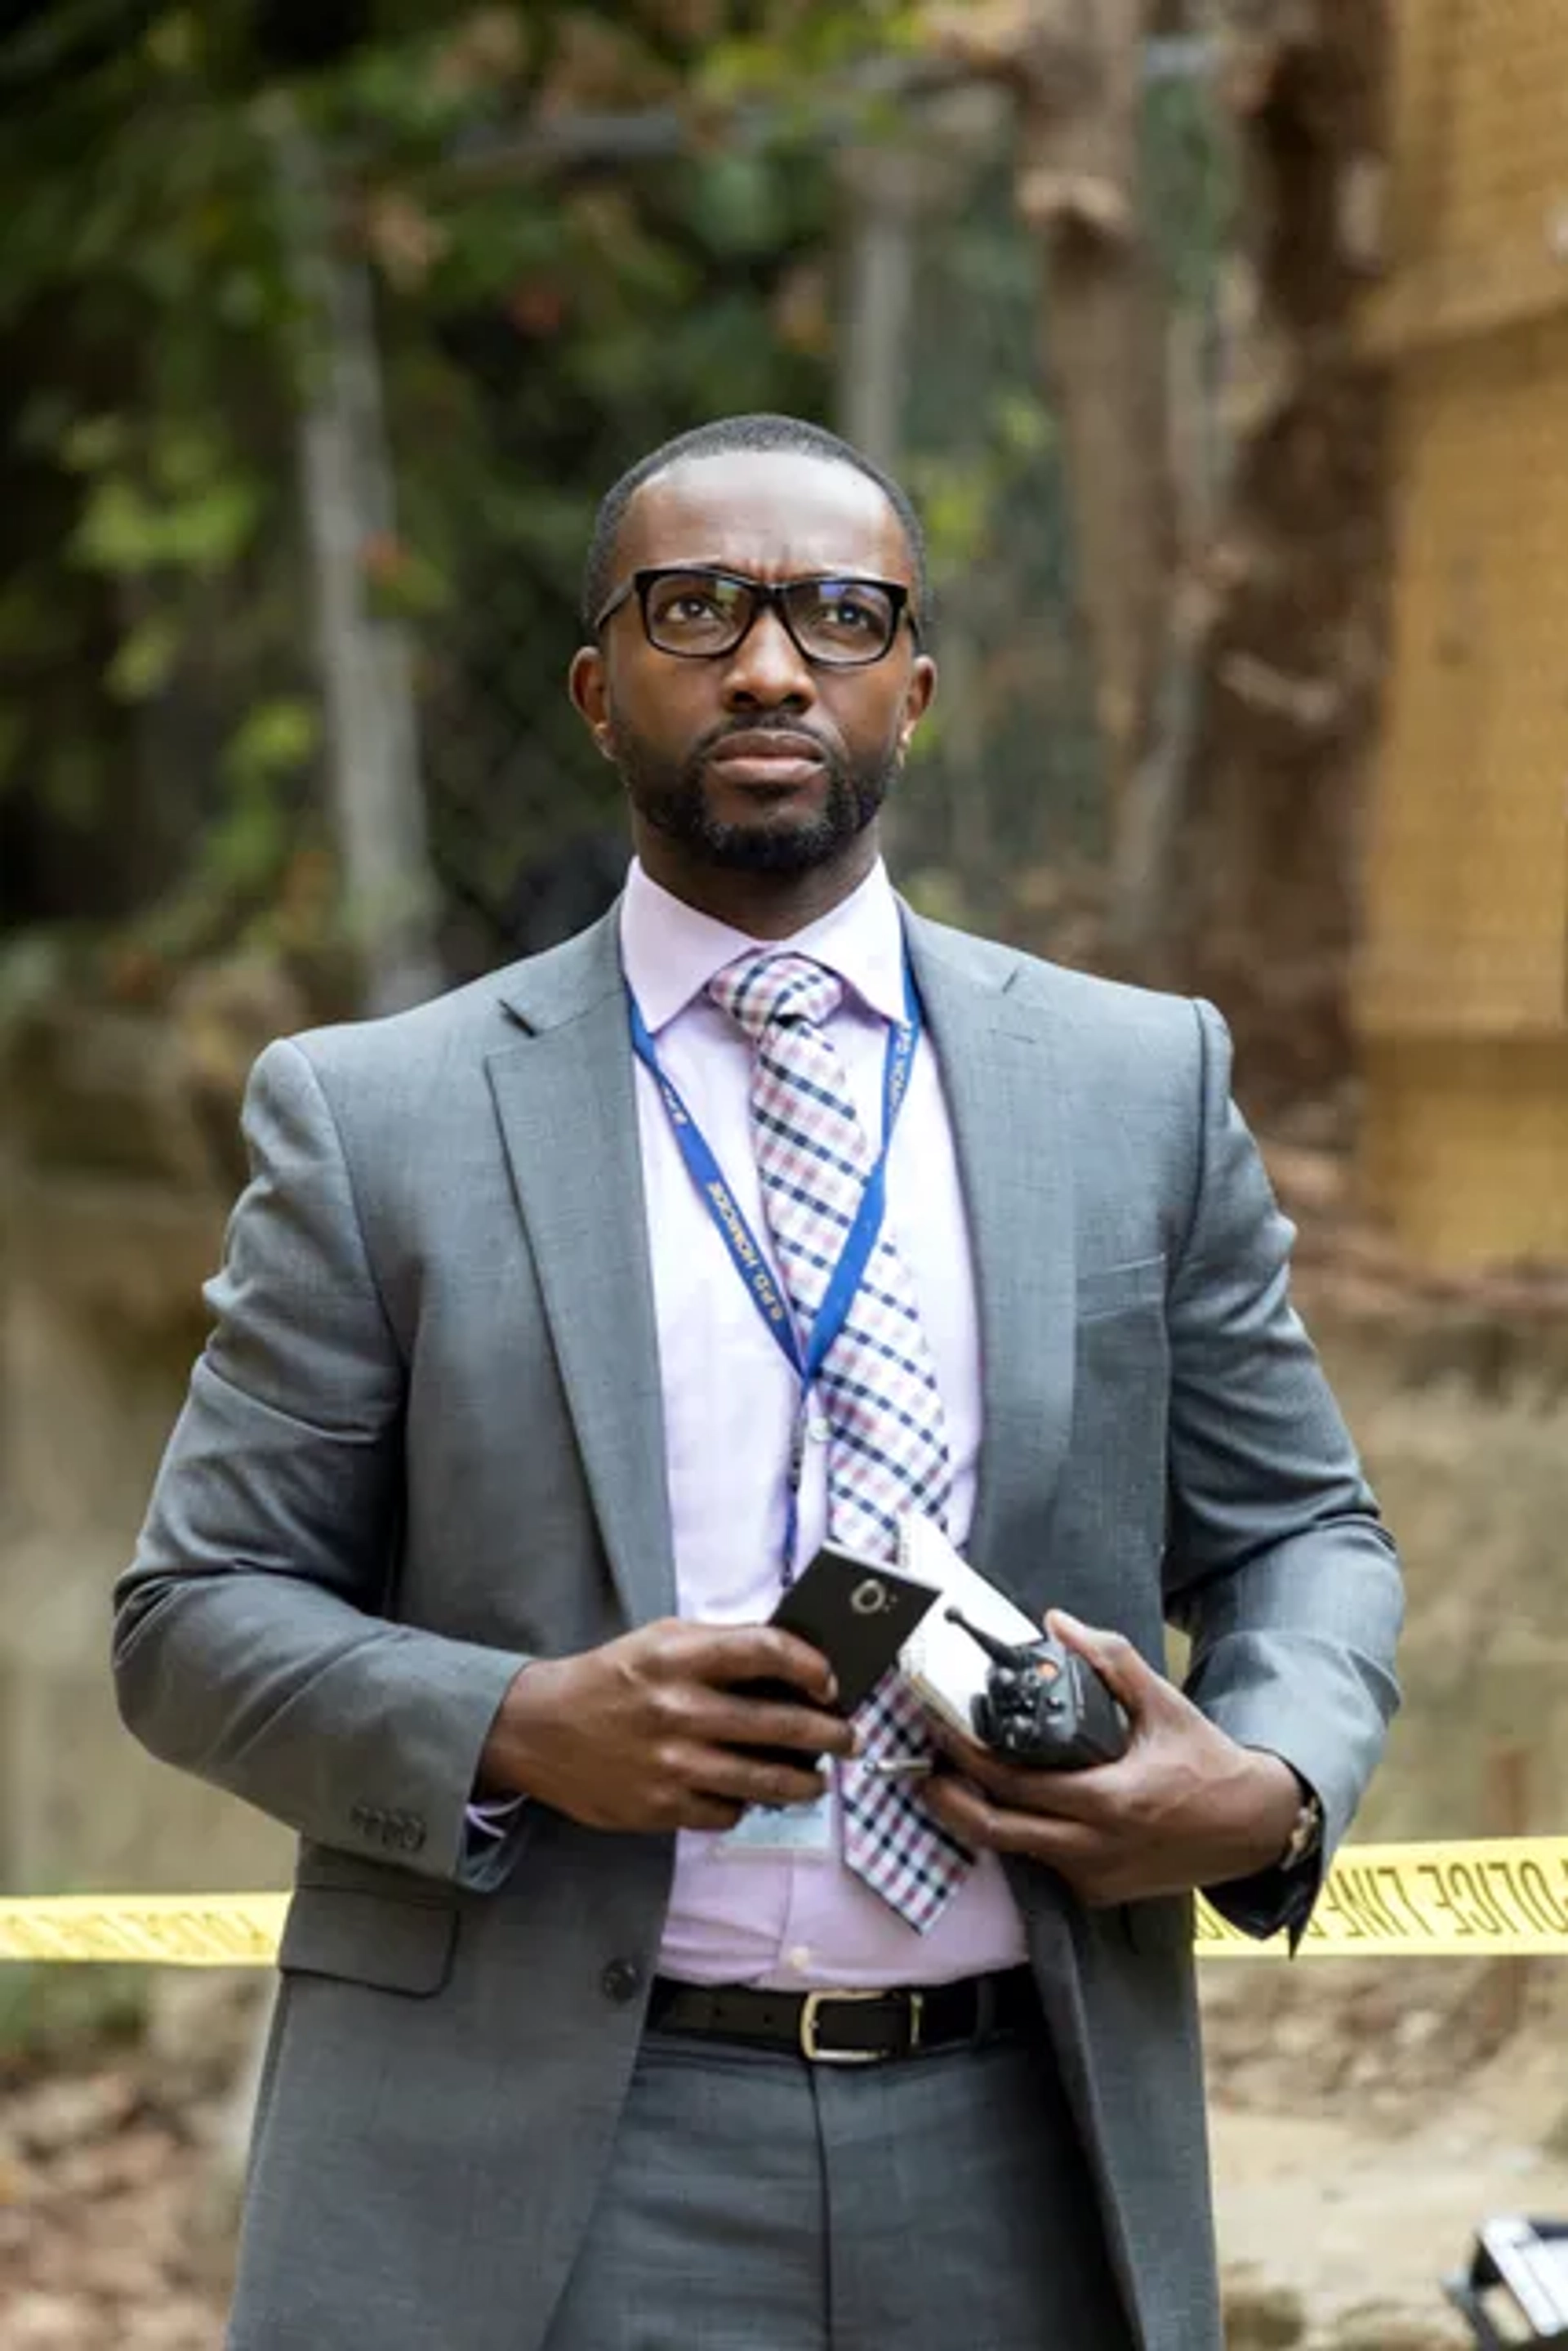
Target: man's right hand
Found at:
x=649, y=1731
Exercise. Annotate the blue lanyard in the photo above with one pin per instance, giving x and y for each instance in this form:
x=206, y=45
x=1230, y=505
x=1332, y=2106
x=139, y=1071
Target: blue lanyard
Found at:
x=746, y=1256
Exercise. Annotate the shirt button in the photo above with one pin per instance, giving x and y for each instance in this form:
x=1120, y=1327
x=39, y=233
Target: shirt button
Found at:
x=621, y=1981
x=799, y=1959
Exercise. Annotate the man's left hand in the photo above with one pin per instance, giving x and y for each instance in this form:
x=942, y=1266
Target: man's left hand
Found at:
x=1184, y=1807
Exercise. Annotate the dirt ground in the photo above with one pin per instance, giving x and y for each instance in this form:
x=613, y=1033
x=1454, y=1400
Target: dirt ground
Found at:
x=1364, y=2121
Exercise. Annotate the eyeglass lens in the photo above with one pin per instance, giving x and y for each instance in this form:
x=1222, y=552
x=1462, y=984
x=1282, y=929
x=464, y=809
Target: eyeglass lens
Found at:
x=832, y=620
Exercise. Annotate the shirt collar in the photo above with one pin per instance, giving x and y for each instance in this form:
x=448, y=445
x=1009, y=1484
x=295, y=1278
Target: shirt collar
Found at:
x=669, y=951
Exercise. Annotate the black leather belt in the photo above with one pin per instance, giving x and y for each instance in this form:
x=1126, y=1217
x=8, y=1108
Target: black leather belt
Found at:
x=850, y=2028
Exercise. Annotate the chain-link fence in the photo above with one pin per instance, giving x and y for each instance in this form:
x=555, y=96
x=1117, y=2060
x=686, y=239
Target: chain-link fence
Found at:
x=998, y=821
x=371, y=695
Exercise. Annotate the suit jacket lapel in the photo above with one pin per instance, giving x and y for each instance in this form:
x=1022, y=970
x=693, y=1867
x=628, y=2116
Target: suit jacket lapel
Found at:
x=564, y=1096
x=997, y=1063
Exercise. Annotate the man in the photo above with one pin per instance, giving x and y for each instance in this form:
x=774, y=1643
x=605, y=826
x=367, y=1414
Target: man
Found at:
x=500, y=1455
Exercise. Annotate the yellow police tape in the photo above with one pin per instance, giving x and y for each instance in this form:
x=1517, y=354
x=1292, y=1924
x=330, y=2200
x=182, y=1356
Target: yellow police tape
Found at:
x=1494, y=1897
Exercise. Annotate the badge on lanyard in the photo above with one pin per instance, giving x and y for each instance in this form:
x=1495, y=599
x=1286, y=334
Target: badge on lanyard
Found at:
x=802, y=1831
x=805, y=1832
x=746, y=1254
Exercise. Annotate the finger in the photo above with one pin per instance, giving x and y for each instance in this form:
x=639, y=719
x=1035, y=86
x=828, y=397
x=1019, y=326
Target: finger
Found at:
x=740, y=1721
x=741, y=1653
x=962, y=1749
x=1066, y=1795
x=977, y=1763
x=1065, y=1846
x=1114, y=1658
x=708, y=1815
x=753, y=1779
x=971, y=1816
x=1049, y=1794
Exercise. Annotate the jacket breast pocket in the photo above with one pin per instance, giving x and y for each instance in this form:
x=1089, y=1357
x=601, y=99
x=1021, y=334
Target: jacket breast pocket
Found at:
x=389, y=1943
x=1107, y=1289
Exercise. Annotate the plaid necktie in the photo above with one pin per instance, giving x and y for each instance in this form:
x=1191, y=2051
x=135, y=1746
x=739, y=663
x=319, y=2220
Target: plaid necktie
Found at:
x=887, y=1442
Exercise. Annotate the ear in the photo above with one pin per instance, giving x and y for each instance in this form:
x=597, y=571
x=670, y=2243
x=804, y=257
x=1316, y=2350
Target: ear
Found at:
x=918, y=696
x=589, y=689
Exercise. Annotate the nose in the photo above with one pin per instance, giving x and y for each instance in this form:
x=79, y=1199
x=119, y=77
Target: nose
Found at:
x=767, y=671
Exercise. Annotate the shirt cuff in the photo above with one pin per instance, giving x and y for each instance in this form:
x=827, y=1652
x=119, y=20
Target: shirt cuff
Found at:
x=493, y=1816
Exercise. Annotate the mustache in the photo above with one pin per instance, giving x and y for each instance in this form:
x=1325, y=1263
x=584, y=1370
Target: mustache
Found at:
x=760, y=725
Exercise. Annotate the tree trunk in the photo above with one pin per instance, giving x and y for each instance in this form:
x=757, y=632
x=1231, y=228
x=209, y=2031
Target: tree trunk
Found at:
x=1077, y=70
x=378, y=800
x=1241, y=879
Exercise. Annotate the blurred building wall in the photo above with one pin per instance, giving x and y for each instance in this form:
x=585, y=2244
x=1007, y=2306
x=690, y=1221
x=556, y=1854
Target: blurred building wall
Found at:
x=114, y=1180
x=1463, y=992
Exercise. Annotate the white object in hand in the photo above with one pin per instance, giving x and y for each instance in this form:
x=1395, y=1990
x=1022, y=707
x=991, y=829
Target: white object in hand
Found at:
x=944, y=1668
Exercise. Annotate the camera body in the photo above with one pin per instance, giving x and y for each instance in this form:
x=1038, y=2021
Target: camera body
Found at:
x=1045, y=1706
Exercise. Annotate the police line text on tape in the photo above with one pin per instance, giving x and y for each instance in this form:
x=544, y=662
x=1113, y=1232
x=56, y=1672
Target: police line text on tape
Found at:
x=1490, y=1897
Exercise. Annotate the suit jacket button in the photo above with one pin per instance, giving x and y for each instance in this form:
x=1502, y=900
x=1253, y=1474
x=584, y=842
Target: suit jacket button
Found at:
x=621, y=1981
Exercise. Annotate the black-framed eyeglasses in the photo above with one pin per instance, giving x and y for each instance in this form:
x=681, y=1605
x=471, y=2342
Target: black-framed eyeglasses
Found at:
x=698, y=614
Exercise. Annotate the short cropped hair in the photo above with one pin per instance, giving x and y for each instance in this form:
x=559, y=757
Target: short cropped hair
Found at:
x=759, y=434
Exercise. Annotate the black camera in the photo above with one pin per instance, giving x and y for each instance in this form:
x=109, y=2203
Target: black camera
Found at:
x=1043, y=1705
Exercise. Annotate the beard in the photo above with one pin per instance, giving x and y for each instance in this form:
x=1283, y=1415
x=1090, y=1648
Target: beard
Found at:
x=673, y=796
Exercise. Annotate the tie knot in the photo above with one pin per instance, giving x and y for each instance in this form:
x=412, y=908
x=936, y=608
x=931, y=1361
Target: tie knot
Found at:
x=763, y=989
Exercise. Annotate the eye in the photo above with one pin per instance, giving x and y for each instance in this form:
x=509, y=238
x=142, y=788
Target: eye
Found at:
x=847, y=614
x=692, y=608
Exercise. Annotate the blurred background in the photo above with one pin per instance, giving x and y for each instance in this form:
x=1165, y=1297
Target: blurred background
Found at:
x=1224, y=345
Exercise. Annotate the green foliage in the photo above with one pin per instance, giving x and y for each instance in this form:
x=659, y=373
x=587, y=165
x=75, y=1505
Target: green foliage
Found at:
x=274, y=740
x=145, y=659
x=1191, y=191
x=128, y=529
x=542, y=316
x=55, y=2016
x=143, y=302
x=539, y=330
x=804, y=44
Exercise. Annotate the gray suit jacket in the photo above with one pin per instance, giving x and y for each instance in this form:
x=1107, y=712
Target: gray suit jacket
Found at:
x=424, y=1443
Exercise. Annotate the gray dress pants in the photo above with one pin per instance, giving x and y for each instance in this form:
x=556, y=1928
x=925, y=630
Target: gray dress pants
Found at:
x=754, y=2202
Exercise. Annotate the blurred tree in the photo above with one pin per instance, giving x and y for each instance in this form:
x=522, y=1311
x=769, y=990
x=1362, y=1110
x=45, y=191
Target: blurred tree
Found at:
x=545, y=309
x=542, y=324
x=1235, y=664
x=1077, y=75
x=1243, y=883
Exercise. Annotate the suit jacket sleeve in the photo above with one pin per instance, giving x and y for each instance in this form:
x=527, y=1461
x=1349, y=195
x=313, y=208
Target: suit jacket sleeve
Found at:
x=1277, y=1564
x=251, y=1645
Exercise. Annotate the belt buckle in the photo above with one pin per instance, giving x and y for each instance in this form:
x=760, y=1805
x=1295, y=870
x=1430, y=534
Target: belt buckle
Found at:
x=811, y=2008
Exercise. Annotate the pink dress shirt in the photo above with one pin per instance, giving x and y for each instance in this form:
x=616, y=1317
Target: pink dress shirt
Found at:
x=788, y=1920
